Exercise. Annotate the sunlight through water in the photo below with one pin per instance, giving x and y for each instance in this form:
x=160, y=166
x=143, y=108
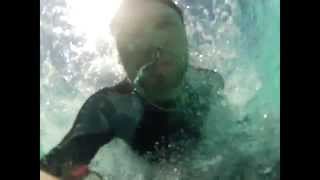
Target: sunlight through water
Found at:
x=92, y=18
x=240, y=39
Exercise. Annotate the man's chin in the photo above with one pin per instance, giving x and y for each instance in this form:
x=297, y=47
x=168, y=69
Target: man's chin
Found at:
x=158, y=90
x=158, y=84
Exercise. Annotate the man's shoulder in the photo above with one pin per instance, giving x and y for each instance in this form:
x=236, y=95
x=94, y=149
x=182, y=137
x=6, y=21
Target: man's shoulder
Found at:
x=119, y=97
x=109, y=108
x=122, y=88
x=110, y=93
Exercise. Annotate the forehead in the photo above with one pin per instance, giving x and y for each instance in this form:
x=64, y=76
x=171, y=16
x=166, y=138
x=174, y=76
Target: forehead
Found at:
x=149, y=11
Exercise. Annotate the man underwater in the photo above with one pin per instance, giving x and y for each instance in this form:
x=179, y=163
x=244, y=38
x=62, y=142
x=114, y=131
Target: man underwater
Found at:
x=157, y=110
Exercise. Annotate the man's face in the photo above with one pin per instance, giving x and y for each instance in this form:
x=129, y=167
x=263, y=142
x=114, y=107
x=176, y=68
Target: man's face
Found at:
x=141, y=31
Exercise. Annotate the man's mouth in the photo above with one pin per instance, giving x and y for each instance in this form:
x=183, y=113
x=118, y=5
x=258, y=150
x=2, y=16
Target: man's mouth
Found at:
x=163, y=66
x=154, y=74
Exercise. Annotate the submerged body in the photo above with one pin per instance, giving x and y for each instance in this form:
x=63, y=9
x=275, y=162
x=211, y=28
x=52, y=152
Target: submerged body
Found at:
x=158, y=110
x=151, y=132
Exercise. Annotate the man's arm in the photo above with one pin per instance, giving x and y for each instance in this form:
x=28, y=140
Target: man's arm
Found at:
x=90, y=131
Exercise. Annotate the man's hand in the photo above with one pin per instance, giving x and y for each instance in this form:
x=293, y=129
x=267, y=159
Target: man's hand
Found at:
x=74, y=173
x=78, y=172
x=45, y=176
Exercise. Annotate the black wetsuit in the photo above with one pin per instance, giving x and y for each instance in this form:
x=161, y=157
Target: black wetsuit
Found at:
x=120, y=112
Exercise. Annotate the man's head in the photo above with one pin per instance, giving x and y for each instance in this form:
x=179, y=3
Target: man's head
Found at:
x=151, y=34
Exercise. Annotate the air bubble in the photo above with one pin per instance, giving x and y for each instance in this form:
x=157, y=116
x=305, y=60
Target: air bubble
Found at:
x=265, y=116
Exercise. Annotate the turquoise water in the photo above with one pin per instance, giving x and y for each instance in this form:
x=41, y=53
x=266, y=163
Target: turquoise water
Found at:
x=238, y=38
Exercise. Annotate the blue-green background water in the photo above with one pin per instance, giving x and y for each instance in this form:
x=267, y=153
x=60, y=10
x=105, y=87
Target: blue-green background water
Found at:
x=238, y=38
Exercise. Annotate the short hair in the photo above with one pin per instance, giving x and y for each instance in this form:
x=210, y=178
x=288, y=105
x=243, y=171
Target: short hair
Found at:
x=169, y=3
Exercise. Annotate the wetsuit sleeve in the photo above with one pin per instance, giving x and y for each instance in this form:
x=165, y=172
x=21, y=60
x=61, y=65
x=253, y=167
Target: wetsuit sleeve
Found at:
x=89, y=132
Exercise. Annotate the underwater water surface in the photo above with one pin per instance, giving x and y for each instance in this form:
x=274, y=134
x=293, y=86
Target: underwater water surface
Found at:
x=240, y=39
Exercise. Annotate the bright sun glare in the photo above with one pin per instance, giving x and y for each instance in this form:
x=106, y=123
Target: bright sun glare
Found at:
x=92, y=18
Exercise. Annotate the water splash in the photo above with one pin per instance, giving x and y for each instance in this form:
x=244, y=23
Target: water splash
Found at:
x=237, y=38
